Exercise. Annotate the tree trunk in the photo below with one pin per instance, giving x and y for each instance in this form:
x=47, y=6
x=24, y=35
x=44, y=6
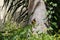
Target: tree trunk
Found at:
x=38, y=17
x=37, y=7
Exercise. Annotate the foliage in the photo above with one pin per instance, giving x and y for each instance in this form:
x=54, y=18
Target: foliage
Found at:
x=53, y=10
x=24, y=33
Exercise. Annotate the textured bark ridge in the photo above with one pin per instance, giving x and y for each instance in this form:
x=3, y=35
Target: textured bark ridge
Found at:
x=1, y=14
x=1, y=10
x=39, y=16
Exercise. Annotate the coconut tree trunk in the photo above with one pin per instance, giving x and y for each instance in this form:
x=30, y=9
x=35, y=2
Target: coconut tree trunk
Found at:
x=38, y=18
x=36, y=12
